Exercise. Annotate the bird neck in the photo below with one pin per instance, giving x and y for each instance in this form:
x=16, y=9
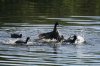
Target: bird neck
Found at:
x=74, y=39
x=55, y=28
x=26, y=40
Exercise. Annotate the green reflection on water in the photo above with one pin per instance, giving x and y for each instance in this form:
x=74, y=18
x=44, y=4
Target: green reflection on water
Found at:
x=32, y=10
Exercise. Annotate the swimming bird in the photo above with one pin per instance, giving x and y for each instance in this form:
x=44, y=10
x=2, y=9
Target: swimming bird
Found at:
x=15, y=35
x=53, y=35
x=75, y=39
x=22, y=42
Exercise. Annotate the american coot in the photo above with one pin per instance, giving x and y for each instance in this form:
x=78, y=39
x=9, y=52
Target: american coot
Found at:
x=16, y=35
x=22, y=42
x=53, y=35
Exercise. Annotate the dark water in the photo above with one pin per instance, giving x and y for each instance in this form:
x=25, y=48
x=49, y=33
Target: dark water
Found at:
x=32, y=54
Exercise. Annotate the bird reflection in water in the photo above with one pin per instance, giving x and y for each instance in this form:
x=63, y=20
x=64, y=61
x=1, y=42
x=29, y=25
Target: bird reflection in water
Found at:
x=55, y=47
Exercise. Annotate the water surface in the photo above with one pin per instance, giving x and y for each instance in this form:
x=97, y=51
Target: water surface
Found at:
x=35, y=54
